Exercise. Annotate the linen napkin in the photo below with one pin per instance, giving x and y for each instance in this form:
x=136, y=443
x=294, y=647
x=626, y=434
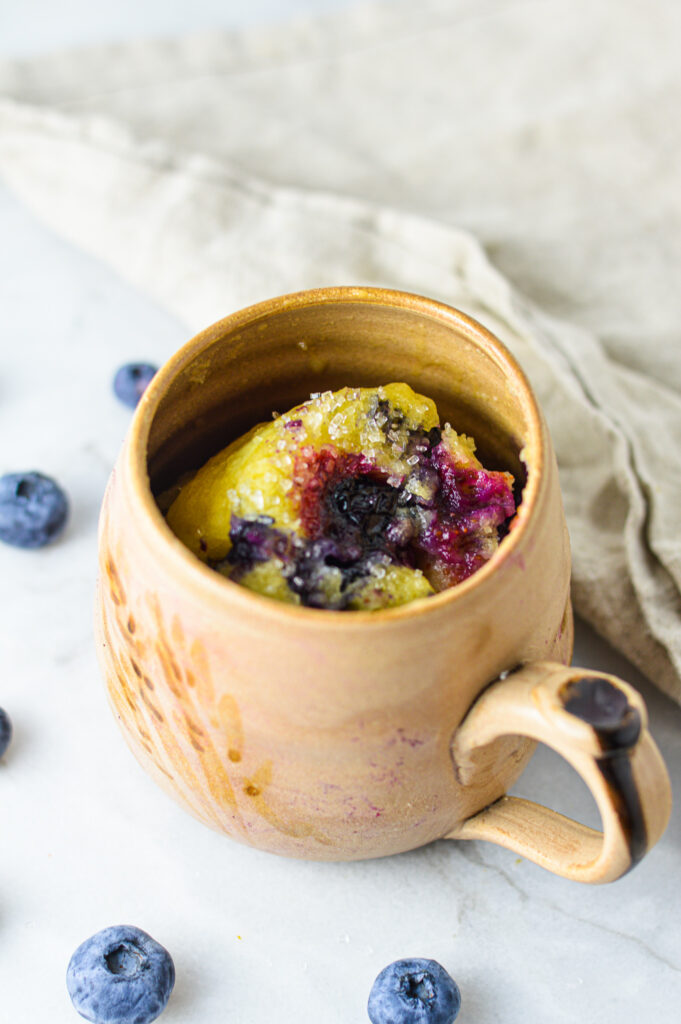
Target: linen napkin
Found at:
x=519, y=161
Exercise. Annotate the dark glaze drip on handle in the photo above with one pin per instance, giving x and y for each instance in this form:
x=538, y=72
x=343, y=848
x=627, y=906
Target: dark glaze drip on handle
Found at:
x=617, y=726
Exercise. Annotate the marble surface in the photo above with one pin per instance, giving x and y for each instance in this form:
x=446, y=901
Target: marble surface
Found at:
x=88, y=840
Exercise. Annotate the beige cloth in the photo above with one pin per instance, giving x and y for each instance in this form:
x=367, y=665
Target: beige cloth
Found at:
x=375, y=148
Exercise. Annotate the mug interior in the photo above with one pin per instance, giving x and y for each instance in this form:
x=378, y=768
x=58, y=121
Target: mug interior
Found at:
x=271, y=357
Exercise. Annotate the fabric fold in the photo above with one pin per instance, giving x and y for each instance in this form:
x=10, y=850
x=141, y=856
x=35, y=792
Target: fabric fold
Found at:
x=203, y=234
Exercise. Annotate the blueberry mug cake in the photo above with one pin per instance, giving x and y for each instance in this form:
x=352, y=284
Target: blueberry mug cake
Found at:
x=356, y=499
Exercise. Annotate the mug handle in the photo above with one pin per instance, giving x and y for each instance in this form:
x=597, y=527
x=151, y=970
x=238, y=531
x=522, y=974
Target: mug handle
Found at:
x=599, y=724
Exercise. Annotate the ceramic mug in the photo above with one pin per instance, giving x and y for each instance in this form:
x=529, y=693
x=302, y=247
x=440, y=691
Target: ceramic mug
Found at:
x=344, y=735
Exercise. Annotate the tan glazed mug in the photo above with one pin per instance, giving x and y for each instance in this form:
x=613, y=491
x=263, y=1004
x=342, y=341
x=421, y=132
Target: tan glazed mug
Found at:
x=342, y=735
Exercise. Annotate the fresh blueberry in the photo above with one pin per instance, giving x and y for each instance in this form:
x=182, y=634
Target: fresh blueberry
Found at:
x=5, y=731
x=414, y=992
x=33, y=509
x=131, y=381
x=120, y=976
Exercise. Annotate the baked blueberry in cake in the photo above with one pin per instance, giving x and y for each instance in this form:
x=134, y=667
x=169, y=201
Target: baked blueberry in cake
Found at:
x=356, y=499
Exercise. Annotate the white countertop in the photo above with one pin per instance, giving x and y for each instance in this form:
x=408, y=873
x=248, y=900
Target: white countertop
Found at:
x=88, y=840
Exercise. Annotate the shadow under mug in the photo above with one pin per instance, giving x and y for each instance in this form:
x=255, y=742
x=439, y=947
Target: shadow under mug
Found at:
x=346, y=735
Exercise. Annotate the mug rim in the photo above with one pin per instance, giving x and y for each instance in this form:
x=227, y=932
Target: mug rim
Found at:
x=221, y=590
